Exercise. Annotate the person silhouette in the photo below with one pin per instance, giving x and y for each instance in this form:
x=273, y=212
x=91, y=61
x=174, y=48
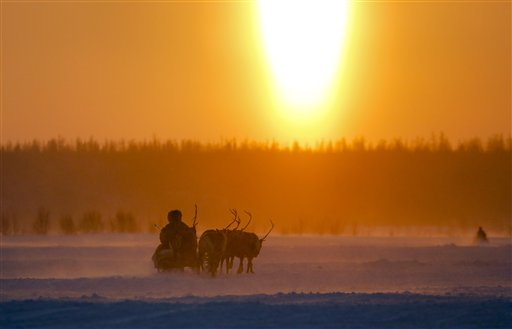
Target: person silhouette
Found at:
x=481, y=236
x=170, y=234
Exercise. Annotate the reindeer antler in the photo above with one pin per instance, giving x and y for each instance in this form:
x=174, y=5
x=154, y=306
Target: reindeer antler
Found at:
x=263, y=239
x=194, y=223
x=238, y=221
x=235, y=213
x=250, y=218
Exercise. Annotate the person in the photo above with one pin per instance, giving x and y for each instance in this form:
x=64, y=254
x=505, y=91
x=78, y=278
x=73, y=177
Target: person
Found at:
x=170, y=234
x=481, y=236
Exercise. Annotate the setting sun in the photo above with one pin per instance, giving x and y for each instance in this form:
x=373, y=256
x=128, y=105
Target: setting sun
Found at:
x=303, y=42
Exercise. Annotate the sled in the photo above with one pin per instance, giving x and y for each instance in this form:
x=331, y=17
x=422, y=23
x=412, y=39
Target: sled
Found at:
x=166, y=259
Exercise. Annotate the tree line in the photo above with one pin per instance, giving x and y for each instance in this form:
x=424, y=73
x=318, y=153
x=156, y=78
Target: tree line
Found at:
x=89, y=222
x=335, y=187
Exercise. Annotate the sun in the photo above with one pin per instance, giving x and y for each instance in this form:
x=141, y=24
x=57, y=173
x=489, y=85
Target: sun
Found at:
x=303, y=42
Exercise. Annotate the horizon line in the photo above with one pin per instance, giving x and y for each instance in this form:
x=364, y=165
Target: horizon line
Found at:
x=432, y=141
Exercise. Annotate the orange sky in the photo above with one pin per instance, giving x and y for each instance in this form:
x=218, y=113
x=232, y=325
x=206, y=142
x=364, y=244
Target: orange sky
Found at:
x=197, y=70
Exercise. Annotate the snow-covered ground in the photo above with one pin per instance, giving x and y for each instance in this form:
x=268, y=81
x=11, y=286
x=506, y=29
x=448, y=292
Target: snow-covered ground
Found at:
x=308, y=281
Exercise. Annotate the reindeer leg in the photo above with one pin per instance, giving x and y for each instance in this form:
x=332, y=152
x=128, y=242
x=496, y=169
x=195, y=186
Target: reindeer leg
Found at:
x=241, y=266
x=249, y=265
x=231, y=260
x=228, y=267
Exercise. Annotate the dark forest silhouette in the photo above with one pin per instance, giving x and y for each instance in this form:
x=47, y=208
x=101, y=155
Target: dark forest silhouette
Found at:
x=334, y=187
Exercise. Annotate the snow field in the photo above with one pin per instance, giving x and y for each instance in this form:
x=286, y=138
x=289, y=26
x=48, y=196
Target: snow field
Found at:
x=108, y=281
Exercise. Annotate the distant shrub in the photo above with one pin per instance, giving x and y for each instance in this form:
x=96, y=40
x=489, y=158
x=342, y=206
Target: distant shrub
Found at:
x=355, y=229
x=124, y=222
x=41, y=224
x=67, y=225
x=91, y=222
x=7, y=224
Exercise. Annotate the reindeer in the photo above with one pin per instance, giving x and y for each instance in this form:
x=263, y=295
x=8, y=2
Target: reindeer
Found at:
x=231, y=247
x=247, y=245
x=212, y=245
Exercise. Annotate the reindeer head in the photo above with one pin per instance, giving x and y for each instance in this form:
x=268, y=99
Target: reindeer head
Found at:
x=260, y=241
x=257, y=247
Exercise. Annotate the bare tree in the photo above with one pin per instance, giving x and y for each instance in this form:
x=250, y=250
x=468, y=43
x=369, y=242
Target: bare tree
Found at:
x=41, y=224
